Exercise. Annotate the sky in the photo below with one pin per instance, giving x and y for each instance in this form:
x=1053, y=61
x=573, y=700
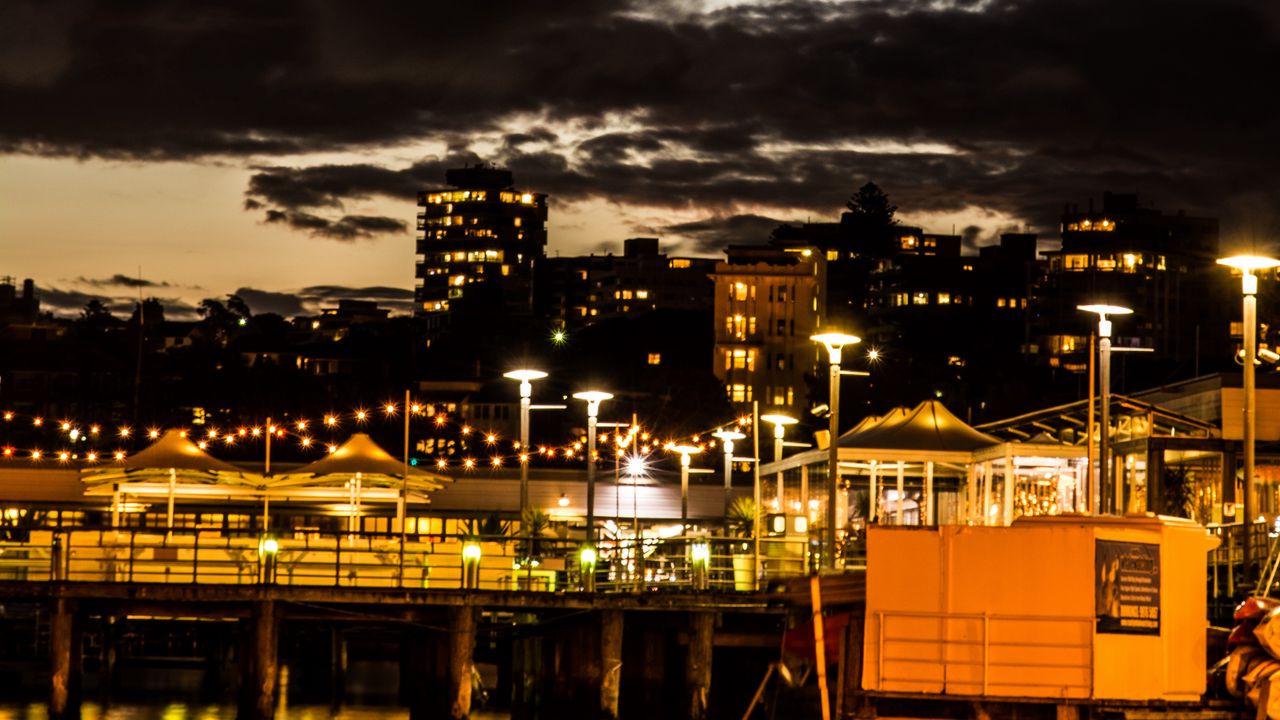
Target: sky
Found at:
x=274, y=150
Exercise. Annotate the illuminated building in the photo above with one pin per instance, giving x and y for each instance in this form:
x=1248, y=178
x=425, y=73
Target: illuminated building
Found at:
x=478, y=242
x=1161, y=265
x=578, y=291
x=768, y=302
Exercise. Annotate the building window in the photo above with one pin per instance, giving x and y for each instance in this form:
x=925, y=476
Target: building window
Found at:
x=999, y=302
x=920, y=298
x=679, y=264
x=740, y=360
x=655, y=358
x=833, y=255
x=783, y=396
x=642, y=294
x=944, y=298
x=739, y=393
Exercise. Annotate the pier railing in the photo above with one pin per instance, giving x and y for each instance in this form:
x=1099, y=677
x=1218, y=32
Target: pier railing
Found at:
x=370, y=560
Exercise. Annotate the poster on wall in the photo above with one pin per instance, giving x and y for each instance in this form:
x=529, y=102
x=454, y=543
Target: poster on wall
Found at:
x=1128, y=587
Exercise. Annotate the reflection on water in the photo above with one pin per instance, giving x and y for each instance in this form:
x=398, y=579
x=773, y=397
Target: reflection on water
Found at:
x=185, y=711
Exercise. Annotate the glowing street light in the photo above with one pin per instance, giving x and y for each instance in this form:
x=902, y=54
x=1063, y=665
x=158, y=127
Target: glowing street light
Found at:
x=685, y=451
x=727, y=438
x=593, y=399
x=1247, y=265
x=1103, y=490
x=525, y=377
x=834, y=342
x=779, y=423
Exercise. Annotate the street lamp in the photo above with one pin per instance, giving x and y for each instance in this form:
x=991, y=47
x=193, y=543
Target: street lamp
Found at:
x=526, y=378
x=834, y=342
x=1103, y=488
x=685, y=451
x=780, y=423
x=593, y=399
x=727, y=438
x=1247, y=264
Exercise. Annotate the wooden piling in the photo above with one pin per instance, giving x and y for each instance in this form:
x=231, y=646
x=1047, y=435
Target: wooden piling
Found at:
x=258, y=669
x=610, y=662
x=61, y=650
x=698, y=664
x=461, y=647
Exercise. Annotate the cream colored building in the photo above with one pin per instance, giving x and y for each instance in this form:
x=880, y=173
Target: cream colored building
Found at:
x=767, y=304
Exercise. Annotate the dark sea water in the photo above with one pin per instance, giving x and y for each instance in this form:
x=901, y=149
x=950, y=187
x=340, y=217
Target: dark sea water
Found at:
x=190, y=711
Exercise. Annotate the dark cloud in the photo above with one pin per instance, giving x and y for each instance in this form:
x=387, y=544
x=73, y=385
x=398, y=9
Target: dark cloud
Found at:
x=122, y=280
x=311, y=300
x=711, y=235
x=69, y=303
x=1014, y=106
x=347, y=227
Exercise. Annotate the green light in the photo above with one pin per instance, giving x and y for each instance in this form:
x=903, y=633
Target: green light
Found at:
x=559, y=336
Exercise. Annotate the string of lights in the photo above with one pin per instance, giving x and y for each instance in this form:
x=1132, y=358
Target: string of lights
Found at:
x=303, y=432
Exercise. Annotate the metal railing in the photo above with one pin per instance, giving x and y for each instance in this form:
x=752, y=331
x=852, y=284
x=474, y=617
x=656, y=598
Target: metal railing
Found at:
x=984, y=654
x=371, y=560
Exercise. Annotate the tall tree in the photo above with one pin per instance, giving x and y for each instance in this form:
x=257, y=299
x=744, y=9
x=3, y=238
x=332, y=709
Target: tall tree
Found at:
x=870, y=221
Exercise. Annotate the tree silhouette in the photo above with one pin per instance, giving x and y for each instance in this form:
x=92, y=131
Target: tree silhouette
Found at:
x=871, y=220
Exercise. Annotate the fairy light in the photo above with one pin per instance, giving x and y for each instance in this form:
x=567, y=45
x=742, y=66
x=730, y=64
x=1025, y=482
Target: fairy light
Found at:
x=442, y=463
x=229, y=439
x=302, y=425
x=389, y=408
x=8, y=416
x=255, y=432
x=124, y=432
x=439, y=420
x=8, y=452
x=415, y=408
x=119, y=454
x=93, y=429
x=491, y=438
x=35, y=454
x=92, y=456
x=361, y=415
x=202, y=444
x=333, y=449
x=524, y=458
x=306, y=442
x=466, y=429
x=66, y=426
x=153, y=433
x=64, y=456
x=213, y=434
x=242, y=432
x=330, y=420
x=468, y=463
x=38, y=422
x=495, y=461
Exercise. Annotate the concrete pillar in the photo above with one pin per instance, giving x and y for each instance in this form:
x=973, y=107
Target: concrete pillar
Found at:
x=698, y=665
x=610, y=662
x=63, y=660
x=258, y=667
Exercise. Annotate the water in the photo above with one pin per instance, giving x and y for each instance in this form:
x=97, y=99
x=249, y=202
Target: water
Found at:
x=195, y=711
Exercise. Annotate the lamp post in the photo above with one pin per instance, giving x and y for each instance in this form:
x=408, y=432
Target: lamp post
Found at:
x=833, y=342
x=727, y=438
x=1103, y=488
x=593, y=399
x=1247, y=264
x=526, y=378
x=780, y=423
x=685, y=451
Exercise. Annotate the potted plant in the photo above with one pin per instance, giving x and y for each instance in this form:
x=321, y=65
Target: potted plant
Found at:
x=740, y=521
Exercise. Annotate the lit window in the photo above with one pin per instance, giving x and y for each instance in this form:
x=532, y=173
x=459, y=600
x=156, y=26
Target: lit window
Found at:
x=909, y=242
x=999, y=302
x=833, y=255
x=642, y=294
x=655, y=358
x=679, y=264
x=526, y=198
x=517, y=222
x=944, y=298
x=920, y=298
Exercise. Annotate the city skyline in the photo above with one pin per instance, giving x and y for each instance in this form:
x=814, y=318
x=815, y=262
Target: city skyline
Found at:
x=275, y=152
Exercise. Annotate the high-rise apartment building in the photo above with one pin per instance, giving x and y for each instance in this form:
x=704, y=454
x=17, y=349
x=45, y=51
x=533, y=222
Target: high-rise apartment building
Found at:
x=768, y=302
x=478, y=242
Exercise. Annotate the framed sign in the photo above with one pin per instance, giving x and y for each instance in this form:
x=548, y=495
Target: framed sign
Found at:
x=1127, y=593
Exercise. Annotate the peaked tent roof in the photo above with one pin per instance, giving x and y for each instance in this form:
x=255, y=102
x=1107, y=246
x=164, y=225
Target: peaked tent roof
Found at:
x=360, y=454
x=928, y=426
x=173, y=451
x=893, y=418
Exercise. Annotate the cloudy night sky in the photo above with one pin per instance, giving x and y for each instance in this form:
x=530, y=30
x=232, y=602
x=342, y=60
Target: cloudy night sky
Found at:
x=274, y=149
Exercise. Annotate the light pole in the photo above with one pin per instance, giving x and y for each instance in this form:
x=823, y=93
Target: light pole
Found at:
x=779, y=423
x=593, y=399
x=685, y=451
x=834, y=342
x=727, y=438
x=1247, y=264
x=1103, y=489
x=526, y=378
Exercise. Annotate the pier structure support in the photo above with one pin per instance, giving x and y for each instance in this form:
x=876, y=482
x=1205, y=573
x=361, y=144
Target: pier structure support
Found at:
x=64, y=660
x=259, y=663
x=437, y=664
x=698, y=664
